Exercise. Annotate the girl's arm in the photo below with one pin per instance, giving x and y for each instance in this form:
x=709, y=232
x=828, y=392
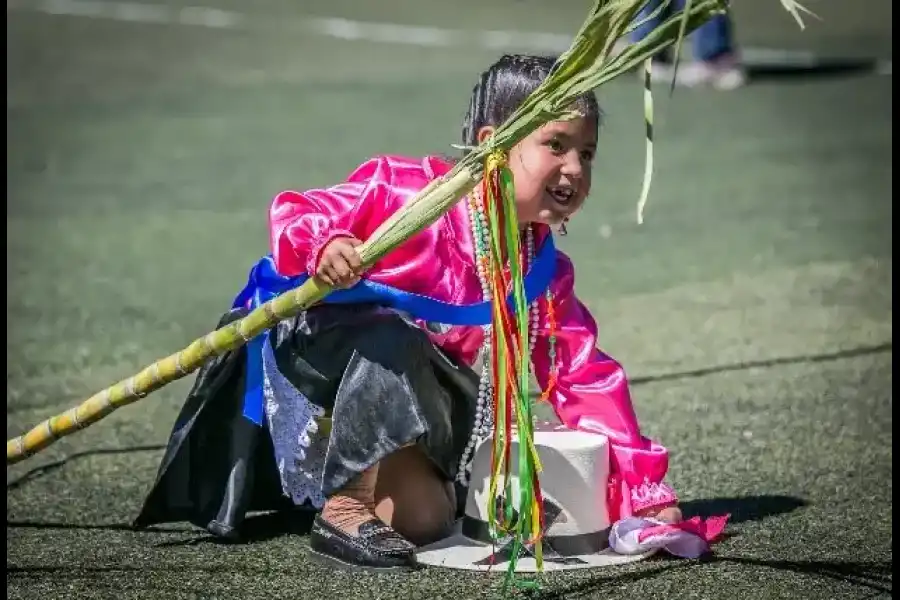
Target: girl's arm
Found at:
x=303, y=223
x=591, y=393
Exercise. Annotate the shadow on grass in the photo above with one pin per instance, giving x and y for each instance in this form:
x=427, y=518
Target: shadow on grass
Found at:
x=804, y=68
x=818, y=69
x=257, y=528
x=766, y=363
x=47, y=468
x=875, y=576
x=44, y=469
x=743, y=509
x=91, y=526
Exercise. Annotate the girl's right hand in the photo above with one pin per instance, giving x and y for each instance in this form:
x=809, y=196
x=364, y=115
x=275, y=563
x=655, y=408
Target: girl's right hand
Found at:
x=339, y=264
x=667, y=514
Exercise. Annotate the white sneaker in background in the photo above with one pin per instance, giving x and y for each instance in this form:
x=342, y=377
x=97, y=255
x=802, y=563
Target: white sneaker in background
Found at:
x=661, y=72
x=725, y=74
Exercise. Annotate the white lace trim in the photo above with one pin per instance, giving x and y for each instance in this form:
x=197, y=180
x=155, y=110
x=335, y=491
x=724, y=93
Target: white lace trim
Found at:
x=299, y=448
x=650, y=494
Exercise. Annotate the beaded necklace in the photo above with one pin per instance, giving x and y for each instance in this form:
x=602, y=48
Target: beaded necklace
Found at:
x=484, y=409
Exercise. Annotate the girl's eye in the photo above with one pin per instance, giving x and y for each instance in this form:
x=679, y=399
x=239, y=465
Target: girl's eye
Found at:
x=587, y=155
x=555, y=146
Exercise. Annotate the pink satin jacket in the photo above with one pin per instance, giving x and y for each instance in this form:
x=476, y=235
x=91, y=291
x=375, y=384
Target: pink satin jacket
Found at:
x=591, y=391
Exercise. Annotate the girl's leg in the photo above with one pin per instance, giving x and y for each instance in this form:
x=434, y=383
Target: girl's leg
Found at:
x=395, y=420
x=390, y=389
x=348, y=532
x=651, y=23
x=662, y=62
x=714, y=39
x=412, y=498
x=404, y=491
x=354, y=504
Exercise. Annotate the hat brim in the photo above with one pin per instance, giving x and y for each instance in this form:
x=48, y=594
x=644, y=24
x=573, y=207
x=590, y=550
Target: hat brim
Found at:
x=460, y=552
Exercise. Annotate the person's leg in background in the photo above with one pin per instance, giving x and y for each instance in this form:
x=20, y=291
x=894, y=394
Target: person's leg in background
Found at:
x=714, y=55
x=662, y=64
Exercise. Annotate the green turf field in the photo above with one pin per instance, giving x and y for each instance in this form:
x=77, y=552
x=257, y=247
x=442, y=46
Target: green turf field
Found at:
x=753, y=309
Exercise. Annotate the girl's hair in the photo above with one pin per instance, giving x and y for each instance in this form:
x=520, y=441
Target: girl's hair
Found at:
x=505, y=85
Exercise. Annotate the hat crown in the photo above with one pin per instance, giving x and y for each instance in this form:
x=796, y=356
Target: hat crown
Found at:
x=573, y=480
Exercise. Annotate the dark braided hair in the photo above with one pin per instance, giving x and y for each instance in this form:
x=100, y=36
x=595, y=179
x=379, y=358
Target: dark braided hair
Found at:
x=505, y=85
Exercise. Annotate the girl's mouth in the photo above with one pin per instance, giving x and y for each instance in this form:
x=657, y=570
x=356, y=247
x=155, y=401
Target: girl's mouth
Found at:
x=561, y=195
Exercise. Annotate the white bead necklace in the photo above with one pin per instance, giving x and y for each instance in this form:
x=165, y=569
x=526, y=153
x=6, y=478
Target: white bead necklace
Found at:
x=484, y=417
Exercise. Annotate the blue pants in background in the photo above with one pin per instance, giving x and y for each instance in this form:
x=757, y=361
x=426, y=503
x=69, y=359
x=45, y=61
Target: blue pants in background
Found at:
x=710, y=41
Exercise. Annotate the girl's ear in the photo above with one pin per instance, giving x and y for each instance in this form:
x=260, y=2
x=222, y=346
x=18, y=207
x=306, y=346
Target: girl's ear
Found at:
x=484, y=133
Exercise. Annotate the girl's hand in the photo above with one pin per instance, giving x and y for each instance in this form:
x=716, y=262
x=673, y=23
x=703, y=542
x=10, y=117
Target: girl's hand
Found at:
x=667, y=514
x=339, y=264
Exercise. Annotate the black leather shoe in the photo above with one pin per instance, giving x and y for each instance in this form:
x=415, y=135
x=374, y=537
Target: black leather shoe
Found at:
x=376, y=547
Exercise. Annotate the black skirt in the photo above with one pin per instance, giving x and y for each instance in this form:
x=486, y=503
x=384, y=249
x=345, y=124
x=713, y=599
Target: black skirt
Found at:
x=345, y=385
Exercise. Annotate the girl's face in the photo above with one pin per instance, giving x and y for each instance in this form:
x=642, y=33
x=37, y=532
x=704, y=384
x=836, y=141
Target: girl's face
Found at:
x=552, y=169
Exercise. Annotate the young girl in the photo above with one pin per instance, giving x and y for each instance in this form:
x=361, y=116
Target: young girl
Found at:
x=367, y=406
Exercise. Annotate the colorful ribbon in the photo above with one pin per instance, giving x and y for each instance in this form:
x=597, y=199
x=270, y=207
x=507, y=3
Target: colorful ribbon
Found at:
x=510, y=366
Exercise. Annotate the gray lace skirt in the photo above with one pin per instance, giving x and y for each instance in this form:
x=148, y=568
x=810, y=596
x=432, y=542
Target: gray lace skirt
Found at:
x=344, y=386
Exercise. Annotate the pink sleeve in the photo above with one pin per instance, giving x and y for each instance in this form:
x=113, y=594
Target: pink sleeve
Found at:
x=591, y=393
x=301, y=224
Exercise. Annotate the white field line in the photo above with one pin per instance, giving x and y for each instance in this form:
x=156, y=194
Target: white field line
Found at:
x=346, y=29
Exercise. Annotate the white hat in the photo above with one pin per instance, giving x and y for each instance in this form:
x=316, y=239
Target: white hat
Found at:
x=574, y=488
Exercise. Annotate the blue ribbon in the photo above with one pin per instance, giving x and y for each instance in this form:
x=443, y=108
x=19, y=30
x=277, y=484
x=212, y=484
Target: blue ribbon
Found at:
x=265, y=283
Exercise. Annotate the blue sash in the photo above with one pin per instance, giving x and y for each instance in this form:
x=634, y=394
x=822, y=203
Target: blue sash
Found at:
x=265, y=283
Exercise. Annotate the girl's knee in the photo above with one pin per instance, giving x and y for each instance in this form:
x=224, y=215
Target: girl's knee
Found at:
x=413, y=499
x=421, y=521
